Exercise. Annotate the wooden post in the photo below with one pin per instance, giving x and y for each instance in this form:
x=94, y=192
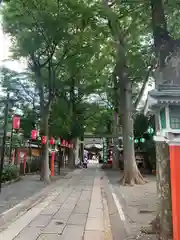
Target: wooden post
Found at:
x=25, y=157
x=52, y=163
x=13, y=157
x=18, y=157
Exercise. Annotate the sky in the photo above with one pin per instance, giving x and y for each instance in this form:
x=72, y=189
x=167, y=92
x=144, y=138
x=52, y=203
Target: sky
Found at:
x=5, y=54
x=149, y=86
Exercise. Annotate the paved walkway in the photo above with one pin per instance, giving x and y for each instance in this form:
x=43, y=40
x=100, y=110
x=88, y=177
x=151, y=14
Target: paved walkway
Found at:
x=73, y=209
x=14, y=193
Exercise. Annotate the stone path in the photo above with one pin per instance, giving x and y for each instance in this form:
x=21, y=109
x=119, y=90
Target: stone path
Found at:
x=74, y=209
x=16, y=192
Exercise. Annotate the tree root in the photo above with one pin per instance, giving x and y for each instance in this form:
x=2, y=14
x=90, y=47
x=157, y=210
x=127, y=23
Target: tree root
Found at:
x=156, y=224
x=153, y=227
x=134, y=179
x=148, y=230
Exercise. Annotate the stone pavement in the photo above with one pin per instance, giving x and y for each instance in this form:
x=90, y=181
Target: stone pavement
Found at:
x=14, y=193
x=74, y=209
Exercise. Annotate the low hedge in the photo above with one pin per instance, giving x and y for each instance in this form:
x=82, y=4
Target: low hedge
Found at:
x=10, y=172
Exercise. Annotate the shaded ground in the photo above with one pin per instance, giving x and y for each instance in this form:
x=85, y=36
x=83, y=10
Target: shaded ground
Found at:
x=14, y=193
x=75, y=192
x=138, y=204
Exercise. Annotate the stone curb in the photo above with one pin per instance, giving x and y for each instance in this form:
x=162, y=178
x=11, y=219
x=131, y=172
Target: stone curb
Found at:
x=29, y=174
x=120, y=229
x=10, y=182
x=107, y=223
x=17, y=211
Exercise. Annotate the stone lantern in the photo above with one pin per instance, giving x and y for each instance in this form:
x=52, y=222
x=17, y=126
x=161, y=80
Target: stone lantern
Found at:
x=164, y=101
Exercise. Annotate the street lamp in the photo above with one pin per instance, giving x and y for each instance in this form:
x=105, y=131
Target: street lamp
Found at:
x=150, y=130
x=142, y=140
x=136, y=140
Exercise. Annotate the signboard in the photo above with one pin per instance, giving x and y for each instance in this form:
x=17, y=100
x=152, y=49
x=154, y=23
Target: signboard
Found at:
x=35, y=152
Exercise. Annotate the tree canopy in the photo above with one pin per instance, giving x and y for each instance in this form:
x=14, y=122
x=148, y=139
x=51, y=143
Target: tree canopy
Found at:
x=72, y=50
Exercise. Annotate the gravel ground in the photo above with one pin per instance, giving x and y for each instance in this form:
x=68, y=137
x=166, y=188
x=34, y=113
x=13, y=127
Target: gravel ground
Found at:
x=138, y=202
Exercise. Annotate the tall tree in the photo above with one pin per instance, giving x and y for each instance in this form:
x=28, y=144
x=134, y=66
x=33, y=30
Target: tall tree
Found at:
x=47, y=48
x=124, y=85
x=164, y=45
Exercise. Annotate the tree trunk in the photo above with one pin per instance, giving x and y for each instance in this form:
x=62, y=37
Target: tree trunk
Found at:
x=45, y=171
x=76, y=150
x=115, y=142
x=163, y=220
x=164, y=190
x=71, y=157
x=59, y=161
x=116, y=154
x=82, y=149
x=72, y=114
x=44, y=113
x=132, y=174
x=162, y=224
x=17, y=160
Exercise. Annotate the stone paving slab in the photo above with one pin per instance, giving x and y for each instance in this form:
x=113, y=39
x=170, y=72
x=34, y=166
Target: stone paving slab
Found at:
x=82, y=207
x=77, y=219
x=9, y=216
x=73, y=232
x=95, y=224
x=95, y=221
x=40, y=221
x=16, y=227
x=50, y=210
x=29, y=185
x=16, y=192
x=29, y=233
x=55, y=226
x=49, y=236
x=62, y=215
x=89, y=235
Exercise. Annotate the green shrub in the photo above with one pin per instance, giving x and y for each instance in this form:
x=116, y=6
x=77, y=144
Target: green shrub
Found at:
x=10, y=172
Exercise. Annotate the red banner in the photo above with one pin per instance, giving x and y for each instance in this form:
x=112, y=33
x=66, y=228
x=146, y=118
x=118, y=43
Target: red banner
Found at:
x=16, y=122
x=52, y=141
x=34, y=134
x=44, y=139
